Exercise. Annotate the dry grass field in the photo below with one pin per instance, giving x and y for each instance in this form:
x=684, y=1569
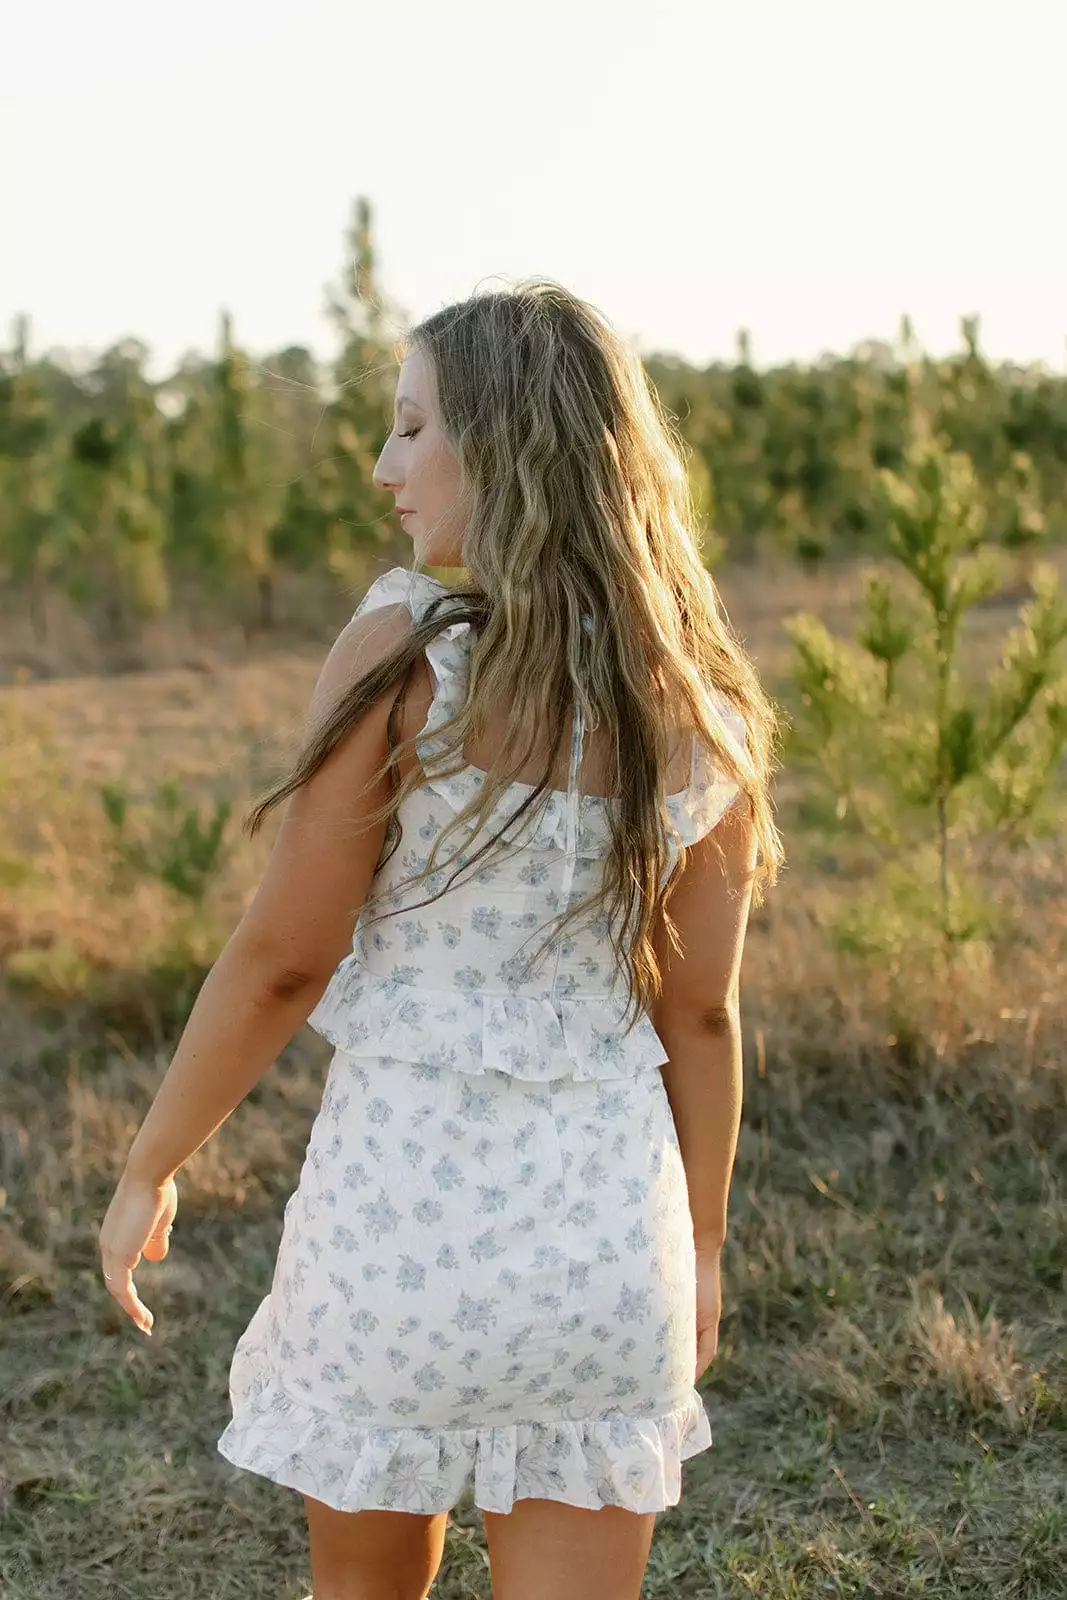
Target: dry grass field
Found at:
x=890, y=1398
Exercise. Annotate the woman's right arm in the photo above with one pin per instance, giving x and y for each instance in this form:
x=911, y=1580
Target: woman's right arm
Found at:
x=698, y=1015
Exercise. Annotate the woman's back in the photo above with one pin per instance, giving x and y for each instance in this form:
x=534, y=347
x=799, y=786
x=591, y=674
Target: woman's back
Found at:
x=598, y=776
x=451, y=981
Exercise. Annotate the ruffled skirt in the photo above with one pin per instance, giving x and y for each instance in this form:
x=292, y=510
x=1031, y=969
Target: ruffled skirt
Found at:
x=480, y=1279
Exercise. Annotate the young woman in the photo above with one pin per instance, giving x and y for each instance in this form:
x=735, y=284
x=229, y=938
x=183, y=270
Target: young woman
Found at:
x=510, y=887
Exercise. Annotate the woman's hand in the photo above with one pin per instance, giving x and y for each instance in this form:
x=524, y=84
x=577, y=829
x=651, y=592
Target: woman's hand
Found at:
x=138, y=1223
x=709, y=1308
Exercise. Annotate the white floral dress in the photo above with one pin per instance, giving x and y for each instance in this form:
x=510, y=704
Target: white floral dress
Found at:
x=486, y=1271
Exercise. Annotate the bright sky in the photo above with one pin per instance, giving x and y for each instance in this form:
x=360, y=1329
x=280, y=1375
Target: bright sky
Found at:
x=809, y=169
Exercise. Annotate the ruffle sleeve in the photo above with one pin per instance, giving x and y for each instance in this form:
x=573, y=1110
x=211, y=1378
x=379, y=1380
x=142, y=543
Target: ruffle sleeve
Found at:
x=400, y=586
x=695, y=811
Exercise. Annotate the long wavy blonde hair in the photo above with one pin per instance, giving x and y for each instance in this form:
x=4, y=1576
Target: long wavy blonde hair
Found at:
x=580, y=505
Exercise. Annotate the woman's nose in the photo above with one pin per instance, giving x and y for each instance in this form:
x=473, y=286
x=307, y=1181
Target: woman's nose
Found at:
x=381, y=478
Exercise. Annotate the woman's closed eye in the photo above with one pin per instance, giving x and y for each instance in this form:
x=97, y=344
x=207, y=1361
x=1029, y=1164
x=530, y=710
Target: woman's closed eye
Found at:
x=410, y=433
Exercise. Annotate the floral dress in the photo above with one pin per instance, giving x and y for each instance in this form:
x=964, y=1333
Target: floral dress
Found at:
x=486, y=1271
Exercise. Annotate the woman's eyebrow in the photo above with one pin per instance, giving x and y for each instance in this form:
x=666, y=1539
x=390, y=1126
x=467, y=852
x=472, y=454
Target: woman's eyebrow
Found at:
x=406, y=400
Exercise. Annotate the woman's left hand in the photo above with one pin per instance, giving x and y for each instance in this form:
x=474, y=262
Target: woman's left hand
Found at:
x=138, y=1223
x=709, y=1307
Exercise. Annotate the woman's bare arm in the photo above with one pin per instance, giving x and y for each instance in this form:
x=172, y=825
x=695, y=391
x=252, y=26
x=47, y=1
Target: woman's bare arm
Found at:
x=698, y=1016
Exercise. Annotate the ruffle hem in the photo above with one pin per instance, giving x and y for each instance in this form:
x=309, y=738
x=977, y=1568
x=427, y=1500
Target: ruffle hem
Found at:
x=530, y=1037
x=634, y=1462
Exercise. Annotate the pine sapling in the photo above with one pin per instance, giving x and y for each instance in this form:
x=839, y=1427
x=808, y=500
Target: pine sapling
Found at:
x=925, y=761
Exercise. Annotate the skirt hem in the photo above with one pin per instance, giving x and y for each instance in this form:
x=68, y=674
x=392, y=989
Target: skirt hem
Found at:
x=591, y=1462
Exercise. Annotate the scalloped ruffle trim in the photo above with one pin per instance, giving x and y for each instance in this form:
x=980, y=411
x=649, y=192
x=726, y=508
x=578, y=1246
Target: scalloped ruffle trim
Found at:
x=526, y=1036
x=616, y=1460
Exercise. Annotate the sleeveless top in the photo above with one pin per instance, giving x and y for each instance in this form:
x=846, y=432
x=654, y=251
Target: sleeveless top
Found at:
x=446, y=983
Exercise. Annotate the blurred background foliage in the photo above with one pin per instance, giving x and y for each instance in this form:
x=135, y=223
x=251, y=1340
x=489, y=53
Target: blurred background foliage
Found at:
x=140, y=498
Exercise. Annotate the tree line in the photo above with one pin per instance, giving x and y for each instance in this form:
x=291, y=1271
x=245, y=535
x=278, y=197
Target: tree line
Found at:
x=132, y=495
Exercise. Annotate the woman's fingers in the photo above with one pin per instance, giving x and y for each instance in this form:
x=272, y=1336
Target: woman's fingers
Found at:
x=118, y=1280
x=708, y=1308
x=137, y=1226
x=158, y=1242
x=707, y=1349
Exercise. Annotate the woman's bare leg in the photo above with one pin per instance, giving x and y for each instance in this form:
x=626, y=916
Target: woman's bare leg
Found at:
x=545, y=1550
x=373, y=1555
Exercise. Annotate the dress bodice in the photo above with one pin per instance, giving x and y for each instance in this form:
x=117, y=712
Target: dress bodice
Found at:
x=449, y=983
